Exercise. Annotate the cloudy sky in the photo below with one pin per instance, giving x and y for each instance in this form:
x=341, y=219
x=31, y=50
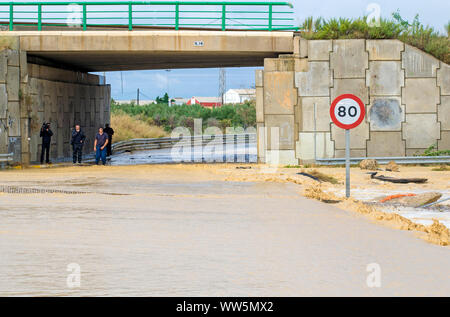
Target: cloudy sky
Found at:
x=204, y=82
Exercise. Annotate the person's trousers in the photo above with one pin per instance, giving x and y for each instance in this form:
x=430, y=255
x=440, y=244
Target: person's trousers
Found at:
x=77, y=153
x=109, y=147
x=100, y=154
x=46, y=149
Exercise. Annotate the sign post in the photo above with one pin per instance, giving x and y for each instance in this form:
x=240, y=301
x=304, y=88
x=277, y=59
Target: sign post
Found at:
x=347, y=112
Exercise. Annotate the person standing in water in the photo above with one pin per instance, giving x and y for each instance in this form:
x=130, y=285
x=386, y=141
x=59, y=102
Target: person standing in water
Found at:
x=101, y=141
x=77, y=143
x=110, y=132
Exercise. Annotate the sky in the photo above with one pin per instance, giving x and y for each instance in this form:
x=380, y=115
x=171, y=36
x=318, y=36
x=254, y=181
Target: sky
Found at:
x=205, y=82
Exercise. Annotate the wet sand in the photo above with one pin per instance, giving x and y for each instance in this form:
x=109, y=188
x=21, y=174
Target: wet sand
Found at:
x=191, y=230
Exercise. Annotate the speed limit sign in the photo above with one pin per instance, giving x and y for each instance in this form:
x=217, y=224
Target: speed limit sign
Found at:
x=347, y=112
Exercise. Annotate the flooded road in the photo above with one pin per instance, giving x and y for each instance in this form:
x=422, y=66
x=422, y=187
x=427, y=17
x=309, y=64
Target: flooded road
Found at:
x=184, y=231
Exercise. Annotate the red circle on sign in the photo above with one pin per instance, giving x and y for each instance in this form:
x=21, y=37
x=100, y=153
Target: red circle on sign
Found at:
x=361, y=115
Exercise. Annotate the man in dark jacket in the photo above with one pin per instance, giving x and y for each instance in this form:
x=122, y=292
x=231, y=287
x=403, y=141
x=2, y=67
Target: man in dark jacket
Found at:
x=46, y=135
x=77, y=143
x=110, y=132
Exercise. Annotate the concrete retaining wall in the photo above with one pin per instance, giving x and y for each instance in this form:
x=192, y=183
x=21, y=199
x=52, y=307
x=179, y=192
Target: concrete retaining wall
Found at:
x=32, y=94
x=406, y=93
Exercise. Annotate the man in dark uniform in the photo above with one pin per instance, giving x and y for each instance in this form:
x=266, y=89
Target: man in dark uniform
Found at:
x=46, y=135
x=110, y=132
x=77, y=143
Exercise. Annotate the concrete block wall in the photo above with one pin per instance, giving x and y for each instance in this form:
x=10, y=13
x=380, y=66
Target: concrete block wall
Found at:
x=32, y=94
x=406, y=93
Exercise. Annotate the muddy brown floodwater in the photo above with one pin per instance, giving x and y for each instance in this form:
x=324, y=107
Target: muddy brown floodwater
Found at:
x=185, y=231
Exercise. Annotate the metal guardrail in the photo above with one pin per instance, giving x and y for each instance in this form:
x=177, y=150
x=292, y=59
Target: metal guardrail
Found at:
x=164, y=143
x=223, y=15
x=6, y=157
x=386, y=160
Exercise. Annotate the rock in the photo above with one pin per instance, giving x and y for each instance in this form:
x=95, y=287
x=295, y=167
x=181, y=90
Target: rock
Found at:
x=371, y=165
x=392, y=167
x=418, y=200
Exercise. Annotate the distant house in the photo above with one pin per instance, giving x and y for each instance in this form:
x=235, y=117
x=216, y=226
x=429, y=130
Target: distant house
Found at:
x=179, y=101
x=239, y=95
x=208, y=102
x=141, y=102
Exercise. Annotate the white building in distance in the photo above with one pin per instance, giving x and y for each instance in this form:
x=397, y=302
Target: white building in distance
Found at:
x=239, y=95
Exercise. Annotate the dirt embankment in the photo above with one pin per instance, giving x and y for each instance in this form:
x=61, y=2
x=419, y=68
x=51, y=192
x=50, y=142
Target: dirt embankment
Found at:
x=436, y=233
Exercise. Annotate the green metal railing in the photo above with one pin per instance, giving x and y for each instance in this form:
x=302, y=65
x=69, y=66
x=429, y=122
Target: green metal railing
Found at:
x=223, y=15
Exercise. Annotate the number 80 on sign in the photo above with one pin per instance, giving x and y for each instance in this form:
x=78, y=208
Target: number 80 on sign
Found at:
x=347, y=111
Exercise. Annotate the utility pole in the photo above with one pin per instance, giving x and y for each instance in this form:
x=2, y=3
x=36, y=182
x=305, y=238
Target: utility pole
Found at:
x=222, y=84
x=137, y=99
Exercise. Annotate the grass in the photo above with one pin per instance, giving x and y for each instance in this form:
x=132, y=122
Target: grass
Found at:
x=322, y=177
x=127, y=127
x=433, y=151
x=413, y=33
x=442, y=168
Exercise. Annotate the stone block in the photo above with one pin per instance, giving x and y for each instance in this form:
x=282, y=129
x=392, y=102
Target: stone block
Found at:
x=421, y=130
x=385, y=144
x=259, y=104
x=443, y=79
x=316, y=82
x=319, y=50
x=3, y=136
x=280, y=132
x=15, y=147
x=418, y=63
x=276, y=100
x=349, y=59
x=305, y=146
x=303, y=48
x=279, y=65
x=322, y=116
x=386, y=114
x=3, y=101
x=420, y=95
x=23, y=67
x=385, y=78
x=14, y=119
x=281, y=157
x=350, y=86
x=301, y=65
x=383, y=50
x=259, y=78
x=3, y=67
x=13, y=83
x=13, y=58
x=353, y=153
x=415, y=152
x=358, y=136
x=444, y=113
x=444, y=142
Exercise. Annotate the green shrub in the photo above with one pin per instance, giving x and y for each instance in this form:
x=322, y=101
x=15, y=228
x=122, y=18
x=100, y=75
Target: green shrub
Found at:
x=415, y=33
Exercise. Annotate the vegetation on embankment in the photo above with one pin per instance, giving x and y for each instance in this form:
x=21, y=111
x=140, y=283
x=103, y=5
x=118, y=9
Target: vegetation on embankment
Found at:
x=132, y=121
x=127, y=127
x=413, y=33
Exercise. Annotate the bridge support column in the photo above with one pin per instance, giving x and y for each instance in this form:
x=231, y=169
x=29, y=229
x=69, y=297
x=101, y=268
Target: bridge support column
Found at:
x=32, y=94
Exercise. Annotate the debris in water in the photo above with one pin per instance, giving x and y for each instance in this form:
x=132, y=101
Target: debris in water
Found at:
x=412, y=200
x=392, y=167
x=398, y=180
x=371, y=165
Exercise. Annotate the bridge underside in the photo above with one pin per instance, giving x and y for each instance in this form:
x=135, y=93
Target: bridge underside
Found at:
x=125, y=60
x=123, y=50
